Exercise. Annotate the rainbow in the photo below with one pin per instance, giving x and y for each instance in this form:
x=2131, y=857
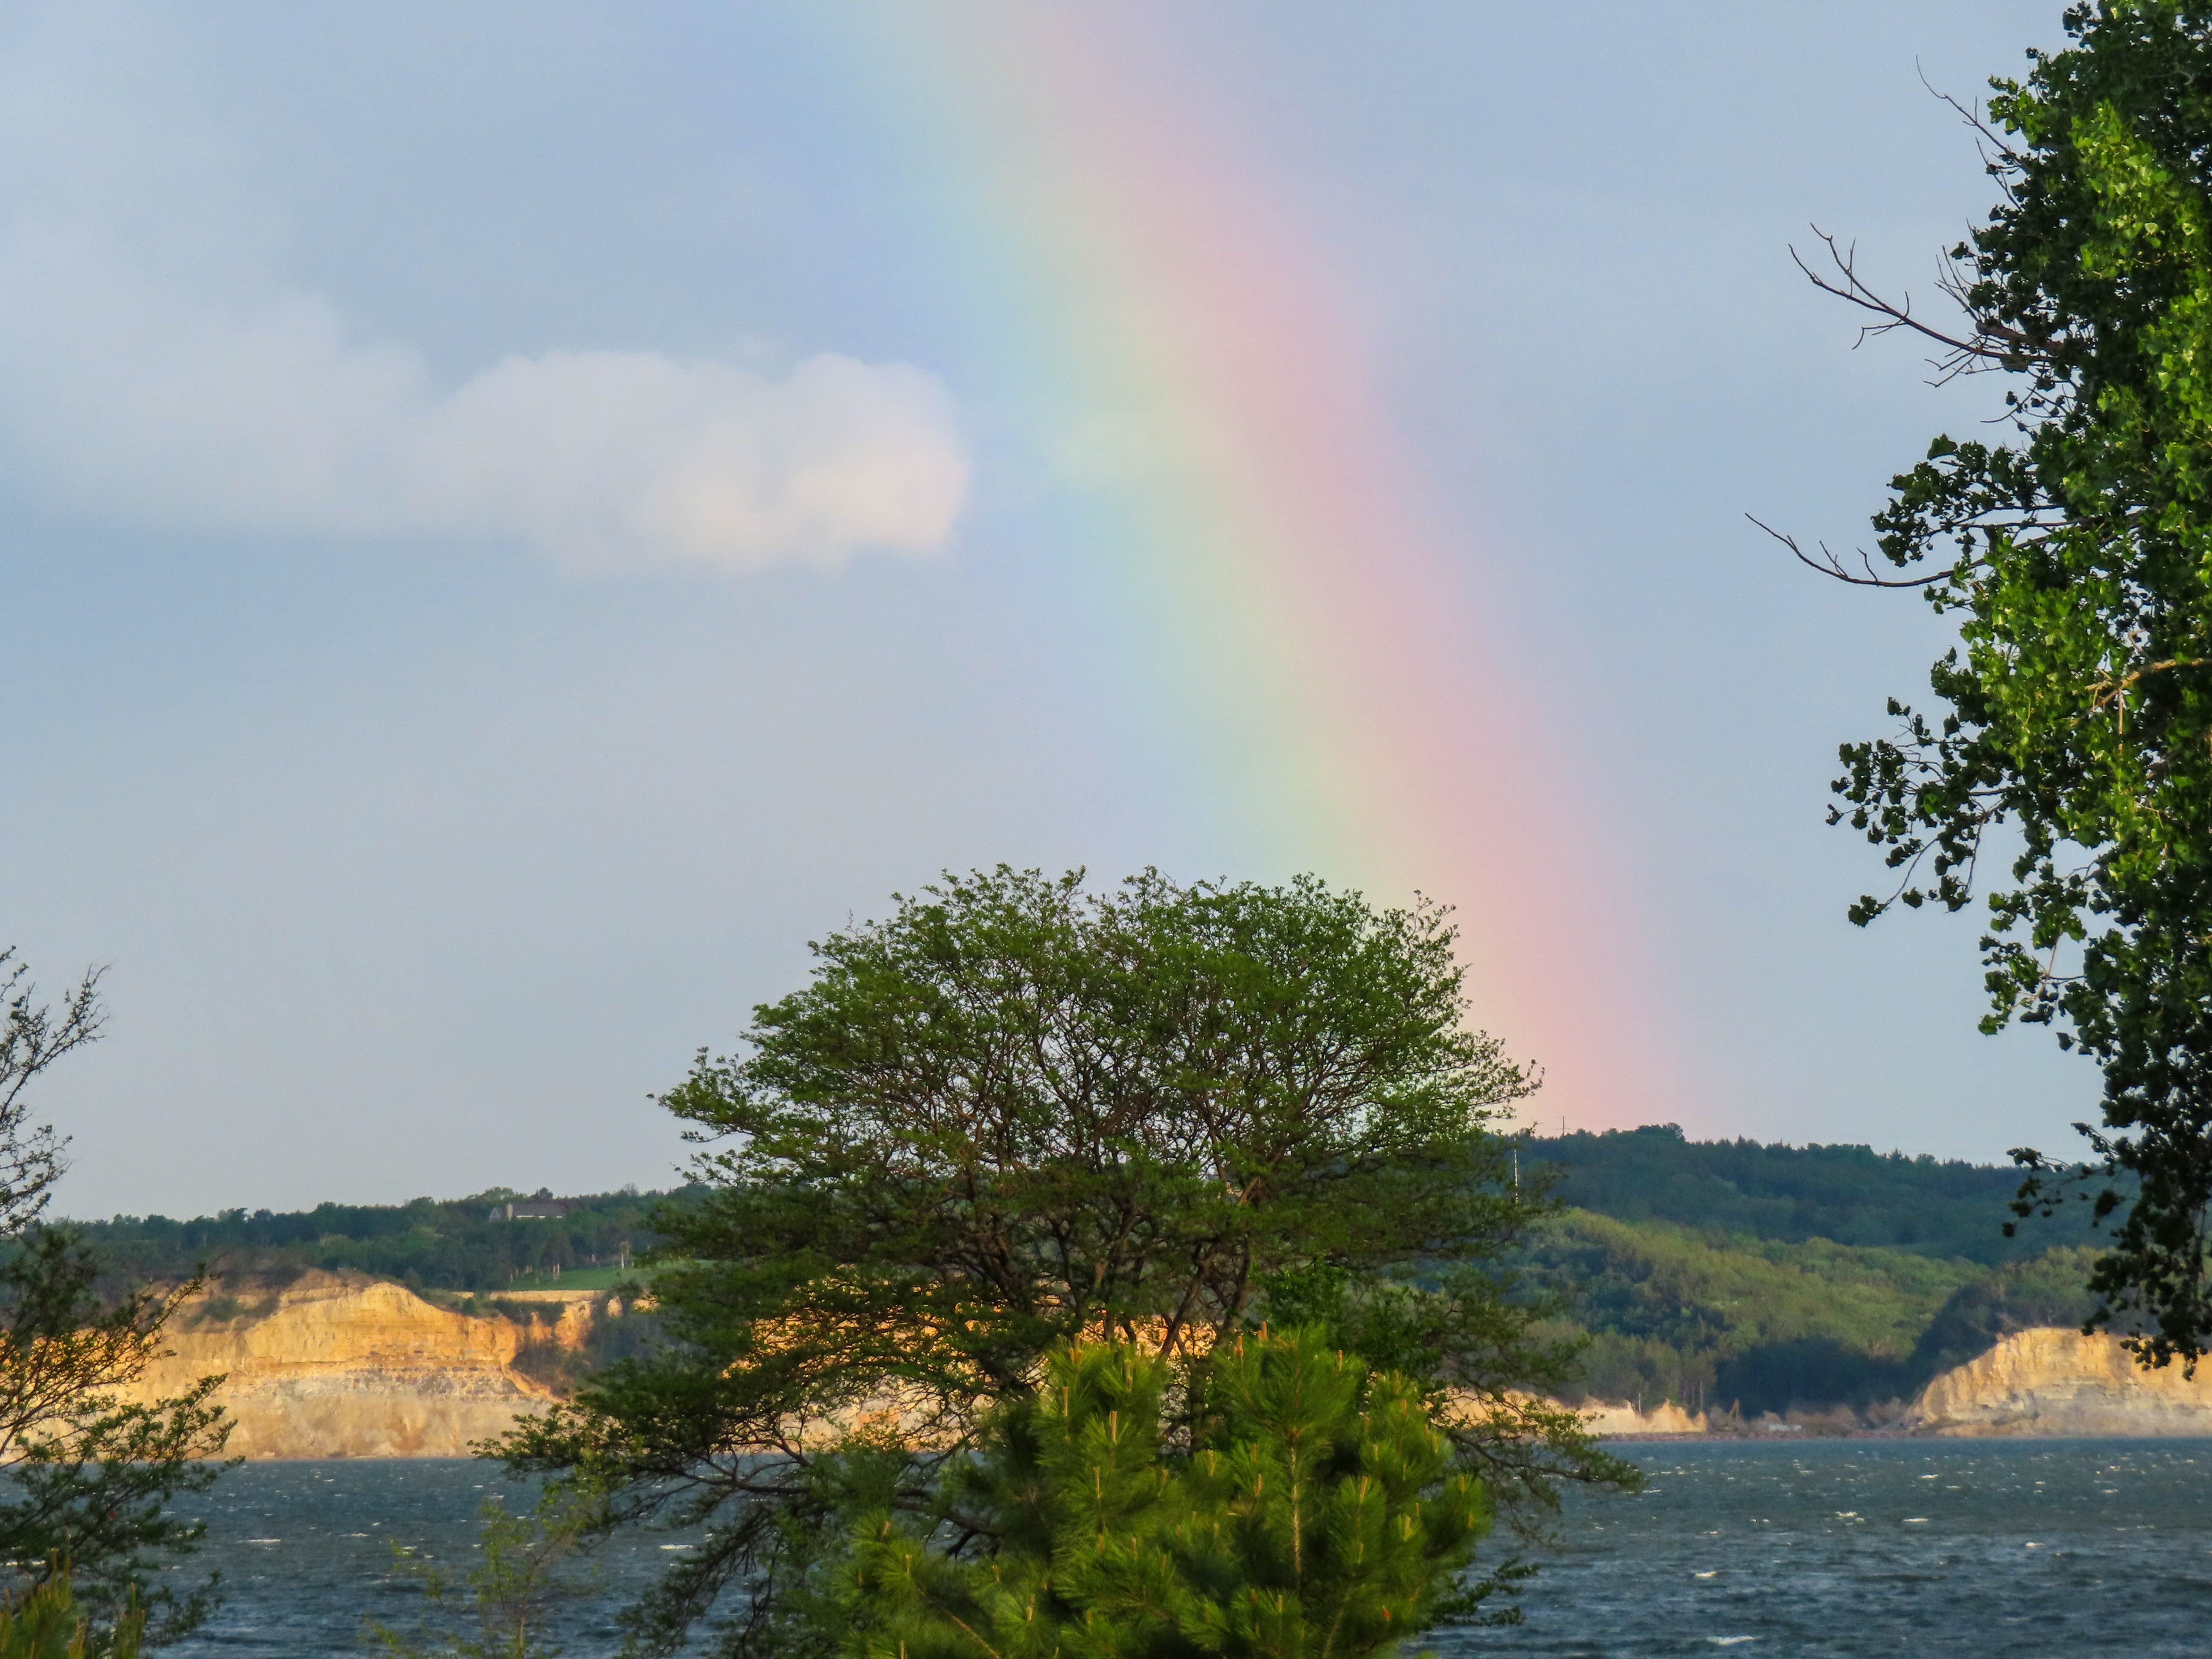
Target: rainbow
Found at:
x=1318, y=641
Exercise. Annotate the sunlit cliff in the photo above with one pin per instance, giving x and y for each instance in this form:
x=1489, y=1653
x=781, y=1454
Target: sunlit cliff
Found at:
x=2061, y=1382
x=329, y=1368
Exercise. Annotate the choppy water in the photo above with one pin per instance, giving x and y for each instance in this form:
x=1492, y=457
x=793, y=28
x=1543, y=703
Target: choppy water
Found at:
x=306, y=1551
x=1896, y=1547
x=1826, y=1548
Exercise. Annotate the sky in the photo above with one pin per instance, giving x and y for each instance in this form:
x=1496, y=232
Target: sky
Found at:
x=514, y=519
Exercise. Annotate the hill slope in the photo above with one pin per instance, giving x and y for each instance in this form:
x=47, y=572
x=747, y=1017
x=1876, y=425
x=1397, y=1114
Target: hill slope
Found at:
x=1711, y=1321
x=1846, y=1195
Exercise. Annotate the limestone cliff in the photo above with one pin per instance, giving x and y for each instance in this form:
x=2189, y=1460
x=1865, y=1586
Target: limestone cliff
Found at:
x=1606, y=1419
x=573, y=1320
x=334, y=1368
x=2060, y=1382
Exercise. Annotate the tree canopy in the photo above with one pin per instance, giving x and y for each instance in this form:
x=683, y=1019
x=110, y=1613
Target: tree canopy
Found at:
x=2071, y=739
x=1018, y=1114
x=459, y=1245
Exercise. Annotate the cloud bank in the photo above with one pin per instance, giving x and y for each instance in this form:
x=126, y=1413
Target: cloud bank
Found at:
x=129, y=401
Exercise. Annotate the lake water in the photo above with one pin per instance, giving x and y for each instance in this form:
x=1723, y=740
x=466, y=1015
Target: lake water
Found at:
x=1885, y=1547
x=1823, y=1548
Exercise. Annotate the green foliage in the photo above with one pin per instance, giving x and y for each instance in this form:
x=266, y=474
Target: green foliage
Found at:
x=1657, y=1279
x=45, y=1622
x=2073, y=719
x=1018, y=1114
x=452, y=1245
x=1321, y=1513
x=1849, y=1194
x=499, y=1607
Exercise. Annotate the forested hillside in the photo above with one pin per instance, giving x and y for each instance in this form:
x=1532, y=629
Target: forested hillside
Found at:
x=1723, y=1274
x=1847, y=1194
x=1711, y=1321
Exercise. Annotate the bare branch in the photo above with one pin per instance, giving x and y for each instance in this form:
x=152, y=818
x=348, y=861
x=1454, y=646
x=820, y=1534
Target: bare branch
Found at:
x=1829, y=565
x=2111, y=692
x=1991, y=344
x=1970, y=115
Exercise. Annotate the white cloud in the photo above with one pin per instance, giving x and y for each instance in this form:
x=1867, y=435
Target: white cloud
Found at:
x=127, y=400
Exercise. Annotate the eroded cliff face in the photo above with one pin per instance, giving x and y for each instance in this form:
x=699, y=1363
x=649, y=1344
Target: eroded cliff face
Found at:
x=2057, y=1382
x=2047, y=1383
x=1605, y=1418
x=348, y=1368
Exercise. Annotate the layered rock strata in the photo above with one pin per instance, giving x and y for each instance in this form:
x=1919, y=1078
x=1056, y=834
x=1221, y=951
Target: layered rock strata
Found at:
x=2060, y=1382
x=1608, y=1419
x=572, y=1326
x=340, y=1369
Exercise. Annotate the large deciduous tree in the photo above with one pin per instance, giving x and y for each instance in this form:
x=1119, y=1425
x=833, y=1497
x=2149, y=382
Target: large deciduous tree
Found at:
x=1020, y=1113
x=2070, y=737
x=87, y=1481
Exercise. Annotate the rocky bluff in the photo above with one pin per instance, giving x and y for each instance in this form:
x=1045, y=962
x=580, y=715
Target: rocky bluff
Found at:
x=337, y=1367
x=2052, y=1383
x=2060, y=1382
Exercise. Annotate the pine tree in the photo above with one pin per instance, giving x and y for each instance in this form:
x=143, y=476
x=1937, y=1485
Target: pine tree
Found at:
x=1050, y=1542
x=1320, y=1518
x=46, y=1622
x=1326, y=1519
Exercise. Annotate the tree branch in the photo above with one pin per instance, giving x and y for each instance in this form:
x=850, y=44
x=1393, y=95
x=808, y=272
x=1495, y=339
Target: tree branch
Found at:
x=1991, y=343
x=1829, y=565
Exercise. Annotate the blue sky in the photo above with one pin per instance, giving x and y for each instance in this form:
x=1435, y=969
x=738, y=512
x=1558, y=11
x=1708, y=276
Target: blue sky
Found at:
x=513, y=519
